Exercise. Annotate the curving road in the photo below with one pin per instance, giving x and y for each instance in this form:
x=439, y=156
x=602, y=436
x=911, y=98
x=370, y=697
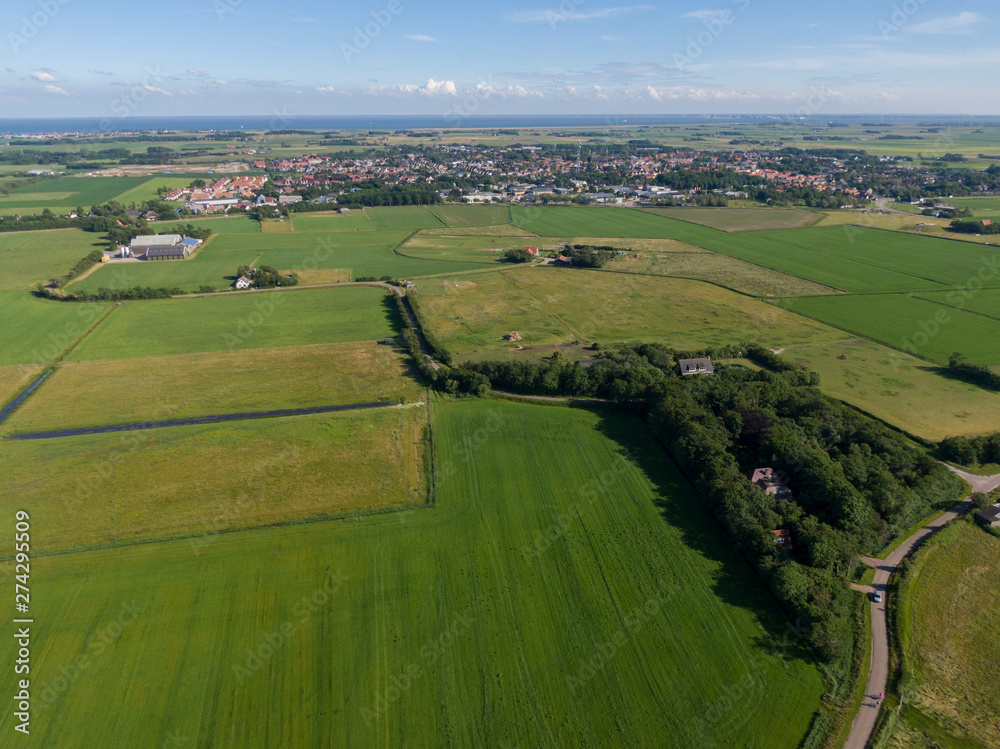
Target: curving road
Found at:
x=864, y=723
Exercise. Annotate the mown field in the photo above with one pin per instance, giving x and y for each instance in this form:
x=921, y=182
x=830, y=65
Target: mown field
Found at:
x=331, y=221
x=583, y=221
x=148, y=189
x=443, y=626
x=70, y=192
x=122, y=487
x=404, y=217
x=235, y=224
x=471, y=314
x=984, y=302
x=239, y=321
x=95, y=393
x=741, y=219
x=43, y=329
x=952, y=621
x=472, y=215
x=723, y=270
x=479, y=248
x=32, y=257
x=897, y=388
x=917, y=326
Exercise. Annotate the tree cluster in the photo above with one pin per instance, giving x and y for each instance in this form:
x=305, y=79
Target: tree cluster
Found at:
x=977, y=374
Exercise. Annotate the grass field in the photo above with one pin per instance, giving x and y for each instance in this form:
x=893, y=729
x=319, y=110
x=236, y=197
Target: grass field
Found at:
x=43, y=329
x=276, y=226
x=122, y=487
x=437, y=627
x=899, y=389
x=236, y=224
x=32, y=257
x=555, y=305
x=70, y=192
x=331, y=221
x=480, y=248
x=95, y=393
x=741, y=219
x=404, y=217
x=13, y=379
x=472, y=215
x=914, y=325
x=237, y=321
x=582, y=221
x=723, y=270
x=952, y=623
x=640, y=245
x=147, y=190
x=984, y=302
x=494, y=230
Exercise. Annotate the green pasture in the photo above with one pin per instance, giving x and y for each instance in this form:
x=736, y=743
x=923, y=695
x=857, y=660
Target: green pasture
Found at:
x=325, y=221
x=235, y=321
x=32, y=257
x=542, y=602
x=70, y=192
x=582, y=221
x=917, y=326
x=472, y=215
x=741, y=219
x=404, y=217
x=39, y=330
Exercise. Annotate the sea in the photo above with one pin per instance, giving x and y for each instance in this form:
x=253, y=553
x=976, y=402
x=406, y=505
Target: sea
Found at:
x=31, y=126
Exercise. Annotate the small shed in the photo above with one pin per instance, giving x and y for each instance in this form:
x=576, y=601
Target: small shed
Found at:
x=990, y=516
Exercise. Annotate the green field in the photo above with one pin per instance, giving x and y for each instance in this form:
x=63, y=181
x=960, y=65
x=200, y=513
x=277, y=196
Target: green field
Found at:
x=235, y=224
x=741, y=219
x=95, y=393
x=404, y=217
x=984, y=302
x=238, y=321
x=904, y=391
x=547, y=306
x=436, y=627
x=70, y=192
x=951, y=621
x=116, y=488
x=32, y=257
x=325, y=221
x=13, y=379
x=472, y=215
x=43, y=328
x=582, y=221
x=723, y=270
x=914, y=325
x=480, y=248
x=147, y=190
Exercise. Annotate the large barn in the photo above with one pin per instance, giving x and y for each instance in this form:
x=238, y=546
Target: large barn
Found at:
x=163, y=247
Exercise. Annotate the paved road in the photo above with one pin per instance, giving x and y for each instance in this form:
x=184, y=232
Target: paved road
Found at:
x=864, y=723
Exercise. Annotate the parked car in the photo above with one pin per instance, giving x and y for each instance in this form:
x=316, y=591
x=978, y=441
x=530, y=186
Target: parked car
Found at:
x=877, y=596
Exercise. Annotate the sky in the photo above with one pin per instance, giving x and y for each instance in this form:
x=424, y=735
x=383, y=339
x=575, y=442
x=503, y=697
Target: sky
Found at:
x=114, y=59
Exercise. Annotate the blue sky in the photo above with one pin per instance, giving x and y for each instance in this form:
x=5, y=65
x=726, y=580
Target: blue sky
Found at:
x=229, y=57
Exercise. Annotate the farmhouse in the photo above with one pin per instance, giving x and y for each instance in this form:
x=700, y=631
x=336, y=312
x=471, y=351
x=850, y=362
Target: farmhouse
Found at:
x=783, y=538
x=696, y=366
x=243, y=283
x=771, y=483
x=533, y=251
x=163, y=247
x=990, y=516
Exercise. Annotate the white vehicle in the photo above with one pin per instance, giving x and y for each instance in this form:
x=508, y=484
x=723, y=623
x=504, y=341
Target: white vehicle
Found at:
x=877, y=596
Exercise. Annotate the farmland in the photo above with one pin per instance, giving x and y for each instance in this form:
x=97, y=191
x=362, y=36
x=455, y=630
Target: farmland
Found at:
x=985, y=302
x=472, y=215
x=904, y=391
x=69, y=192
x=33, y=257
x=951, y=620
x=95, y=393
x=175, y=481
x=44, y=329
x=549, y=306
x=404, y=217
x=324, y=222
x=741, y=219
x=580, y=221
x=13, y=379
x=239, y=321
x=223, y=225
x=915, y=325
x=723, y=270
x=435, y=600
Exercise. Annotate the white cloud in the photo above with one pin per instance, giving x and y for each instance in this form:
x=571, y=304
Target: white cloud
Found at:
x=722, y=16
x=963, y=23
x=325, y=89
x=653, y=94
x=438, y=88
x=40, y=76
x=156, y=90
x=196, y=72
x=419, y=38
x=886, y=96
x=557, y=15
x=50, y=89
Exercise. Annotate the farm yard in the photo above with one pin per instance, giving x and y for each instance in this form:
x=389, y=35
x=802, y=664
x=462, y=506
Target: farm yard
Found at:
x=434, y=593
